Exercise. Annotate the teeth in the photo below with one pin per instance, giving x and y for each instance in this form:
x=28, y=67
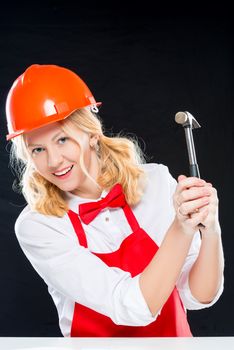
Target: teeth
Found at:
x=63, y=172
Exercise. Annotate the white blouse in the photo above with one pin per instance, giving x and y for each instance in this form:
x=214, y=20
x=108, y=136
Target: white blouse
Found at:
x=74, y=274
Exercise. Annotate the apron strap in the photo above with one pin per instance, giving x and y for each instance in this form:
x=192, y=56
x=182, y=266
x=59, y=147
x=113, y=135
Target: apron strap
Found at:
x=131, y=218
x=74, y=217
x=78, y=228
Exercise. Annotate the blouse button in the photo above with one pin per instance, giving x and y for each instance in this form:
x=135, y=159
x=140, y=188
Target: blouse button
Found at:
x=107, y=219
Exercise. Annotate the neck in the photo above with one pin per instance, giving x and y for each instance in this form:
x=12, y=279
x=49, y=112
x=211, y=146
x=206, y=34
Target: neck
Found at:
x=89, y=189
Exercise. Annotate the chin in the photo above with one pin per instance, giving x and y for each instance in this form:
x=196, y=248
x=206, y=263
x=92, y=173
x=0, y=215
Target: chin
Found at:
x=68, y=187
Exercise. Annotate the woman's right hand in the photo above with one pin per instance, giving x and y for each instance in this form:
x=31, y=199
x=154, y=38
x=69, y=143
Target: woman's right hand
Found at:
x=190, y=196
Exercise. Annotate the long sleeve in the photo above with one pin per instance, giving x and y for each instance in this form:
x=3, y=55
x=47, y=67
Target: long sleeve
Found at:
x=189, y=301
x=79, y=275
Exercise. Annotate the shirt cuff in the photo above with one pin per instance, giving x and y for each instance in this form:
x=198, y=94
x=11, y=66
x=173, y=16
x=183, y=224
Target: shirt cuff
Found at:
x=189, y=301
x=135, y=304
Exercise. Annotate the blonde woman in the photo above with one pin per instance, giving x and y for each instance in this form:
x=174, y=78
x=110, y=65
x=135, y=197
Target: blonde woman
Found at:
x=115, y=238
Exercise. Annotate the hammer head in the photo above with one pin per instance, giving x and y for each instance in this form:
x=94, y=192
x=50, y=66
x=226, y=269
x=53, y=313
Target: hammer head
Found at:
x=187, y=120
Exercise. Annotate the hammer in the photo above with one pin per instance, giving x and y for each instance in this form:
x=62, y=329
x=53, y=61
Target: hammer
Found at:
x=189, y=122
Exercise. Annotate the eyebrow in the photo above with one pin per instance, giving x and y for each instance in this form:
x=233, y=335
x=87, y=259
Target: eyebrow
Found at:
x=54, y=137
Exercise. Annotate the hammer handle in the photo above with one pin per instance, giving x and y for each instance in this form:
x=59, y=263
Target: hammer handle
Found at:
x=194, y=170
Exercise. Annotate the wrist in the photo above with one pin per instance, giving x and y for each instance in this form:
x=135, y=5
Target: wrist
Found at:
x=182, y=228
x=210, y=233
x=207, y=232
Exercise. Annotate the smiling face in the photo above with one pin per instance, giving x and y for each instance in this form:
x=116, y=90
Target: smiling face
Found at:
x=56, y=157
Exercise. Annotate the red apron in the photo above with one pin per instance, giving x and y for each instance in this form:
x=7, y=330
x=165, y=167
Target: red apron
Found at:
x=133, y=255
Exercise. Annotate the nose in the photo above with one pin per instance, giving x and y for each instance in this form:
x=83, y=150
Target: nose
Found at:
x=54, y=158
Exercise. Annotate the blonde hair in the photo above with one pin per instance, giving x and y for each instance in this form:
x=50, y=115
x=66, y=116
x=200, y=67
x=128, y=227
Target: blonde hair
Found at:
x=120, y=158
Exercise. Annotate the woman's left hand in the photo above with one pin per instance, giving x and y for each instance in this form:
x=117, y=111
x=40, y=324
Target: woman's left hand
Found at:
x=211, y=221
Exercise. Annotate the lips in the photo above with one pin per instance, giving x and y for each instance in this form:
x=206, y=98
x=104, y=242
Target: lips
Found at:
x=63, y=172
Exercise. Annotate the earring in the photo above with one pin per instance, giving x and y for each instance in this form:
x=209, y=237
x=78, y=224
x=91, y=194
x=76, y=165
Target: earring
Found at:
x=95, y=146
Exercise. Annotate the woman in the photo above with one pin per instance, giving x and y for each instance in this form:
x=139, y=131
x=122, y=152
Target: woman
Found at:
x=115, y=239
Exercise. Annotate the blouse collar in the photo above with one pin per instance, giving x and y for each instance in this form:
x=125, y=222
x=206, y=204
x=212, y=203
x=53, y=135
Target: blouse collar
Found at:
x=75, y=200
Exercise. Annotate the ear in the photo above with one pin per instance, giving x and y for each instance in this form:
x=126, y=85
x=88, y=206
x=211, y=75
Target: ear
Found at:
x=93, y=139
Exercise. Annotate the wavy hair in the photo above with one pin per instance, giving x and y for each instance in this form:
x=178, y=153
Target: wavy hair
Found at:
x=120, y=158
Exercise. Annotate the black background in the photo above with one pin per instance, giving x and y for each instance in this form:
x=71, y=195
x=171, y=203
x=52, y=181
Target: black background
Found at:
x=144, y=63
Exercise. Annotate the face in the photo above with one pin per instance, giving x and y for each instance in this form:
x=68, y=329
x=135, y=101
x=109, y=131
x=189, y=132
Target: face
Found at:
x=55, y=156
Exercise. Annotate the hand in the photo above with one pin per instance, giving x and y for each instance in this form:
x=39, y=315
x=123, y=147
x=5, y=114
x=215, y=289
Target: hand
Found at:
x=195, y=202
x=211, y=221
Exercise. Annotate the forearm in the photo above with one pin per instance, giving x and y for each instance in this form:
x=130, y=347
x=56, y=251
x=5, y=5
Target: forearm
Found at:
x=159, y=277
x=206, y=273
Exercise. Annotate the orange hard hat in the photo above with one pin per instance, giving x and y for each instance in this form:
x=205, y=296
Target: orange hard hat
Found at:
x=44, y=94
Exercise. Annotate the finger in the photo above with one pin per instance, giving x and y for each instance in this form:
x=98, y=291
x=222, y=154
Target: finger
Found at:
x=200, y=210
x=181, y=177
x=199, y=218
x=194, y=193
x=187, y=183
x=191, y=181
x=190, y=207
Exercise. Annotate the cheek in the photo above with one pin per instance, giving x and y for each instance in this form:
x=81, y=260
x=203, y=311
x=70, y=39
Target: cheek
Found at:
x=73, y=152
x=87, y=156
x=39, y=164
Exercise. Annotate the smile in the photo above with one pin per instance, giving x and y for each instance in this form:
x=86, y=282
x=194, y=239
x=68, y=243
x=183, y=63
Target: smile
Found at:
x=64, y=172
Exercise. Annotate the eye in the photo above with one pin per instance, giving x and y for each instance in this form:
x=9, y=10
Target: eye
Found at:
x=63, y=139
x=37, y=150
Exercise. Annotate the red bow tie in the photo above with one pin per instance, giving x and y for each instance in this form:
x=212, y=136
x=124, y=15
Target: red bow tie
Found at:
x=115, y=198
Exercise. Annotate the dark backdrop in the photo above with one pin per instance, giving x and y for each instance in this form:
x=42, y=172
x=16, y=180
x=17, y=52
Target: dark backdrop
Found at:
x=145, y=64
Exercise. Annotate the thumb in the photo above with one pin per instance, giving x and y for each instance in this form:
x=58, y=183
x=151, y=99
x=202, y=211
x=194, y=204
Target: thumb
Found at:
x=181, y=177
